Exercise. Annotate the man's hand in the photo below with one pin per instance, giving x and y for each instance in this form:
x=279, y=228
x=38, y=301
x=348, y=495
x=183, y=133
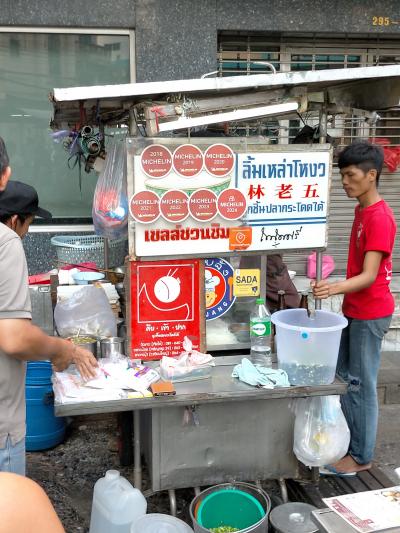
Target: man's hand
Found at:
x=84, y=360
x=321, y=289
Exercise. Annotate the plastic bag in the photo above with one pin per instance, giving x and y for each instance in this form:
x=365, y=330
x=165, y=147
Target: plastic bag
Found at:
x=321, y=434
x=110, y=202
x=391, y=154
x=328, y=266
x=86, y=311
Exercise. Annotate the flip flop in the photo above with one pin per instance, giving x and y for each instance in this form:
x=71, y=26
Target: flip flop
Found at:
x=329, y=470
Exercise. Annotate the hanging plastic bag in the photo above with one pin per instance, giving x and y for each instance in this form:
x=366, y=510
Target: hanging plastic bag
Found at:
x=321, y=434
x=391, y=154
x=110, y=202
x=328, y=266
x=86, y=312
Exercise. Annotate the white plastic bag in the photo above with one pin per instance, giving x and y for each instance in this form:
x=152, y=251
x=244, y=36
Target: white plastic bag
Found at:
x=86, y=311
x=321, y=434
x=110, y=202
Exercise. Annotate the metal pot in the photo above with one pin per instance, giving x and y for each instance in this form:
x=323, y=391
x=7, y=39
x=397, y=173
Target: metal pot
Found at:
x=91, y=346
x=110, y=346
x=293, y=517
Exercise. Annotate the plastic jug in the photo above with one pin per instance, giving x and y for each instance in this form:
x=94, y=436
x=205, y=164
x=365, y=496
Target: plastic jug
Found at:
x=116, y=504
x=160, y=523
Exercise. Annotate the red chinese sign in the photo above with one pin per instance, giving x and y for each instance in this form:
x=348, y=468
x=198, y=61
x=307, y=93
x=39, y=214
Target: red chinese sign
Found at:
x=165, y=307
x=156, y=161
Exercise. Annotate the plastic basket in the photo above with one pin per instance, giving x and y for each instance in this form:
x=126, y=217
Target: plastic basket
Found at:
x=82, y=248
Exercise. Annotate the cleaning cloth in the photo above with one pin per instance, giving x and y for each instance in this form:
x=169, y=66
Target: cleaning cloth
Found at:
x=261, y=376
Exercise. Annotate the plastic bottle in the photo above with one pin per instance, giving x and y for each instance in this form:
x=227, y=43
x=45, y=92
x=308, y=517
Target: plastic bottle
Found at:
x=260, y=335
x=116, y=504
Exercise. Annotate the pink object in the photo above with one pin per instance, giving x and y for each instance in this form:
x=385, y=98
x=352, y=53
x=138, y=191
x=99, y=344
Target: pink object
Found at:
x=89, y=266
x=328, y=266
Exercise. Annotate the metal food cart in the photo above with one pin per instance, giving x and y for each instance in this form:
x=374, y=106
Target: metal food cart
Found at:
x=222, y=438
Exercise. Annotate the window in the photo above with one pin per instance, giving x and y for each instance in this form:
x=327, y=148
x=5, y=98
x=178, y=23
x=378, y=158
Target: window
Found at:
x=31, y=65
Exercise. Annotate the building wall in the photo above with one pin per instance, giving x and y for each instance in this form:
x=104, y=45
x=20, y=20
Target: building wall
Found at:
x=178, y=38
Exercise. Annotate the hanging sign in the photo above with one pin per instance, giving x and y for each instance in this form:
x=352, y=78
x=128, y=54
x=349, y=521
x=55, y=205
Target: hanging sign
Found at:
x=165, y=307
x=215, y=200
x=218, y=276
x=246, y=282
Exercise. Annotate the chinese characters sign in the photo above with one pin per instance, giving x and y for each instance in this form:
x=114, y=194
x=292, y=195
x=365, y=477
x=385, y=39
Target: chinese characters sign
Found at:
x=207, y=200
x=165, y=307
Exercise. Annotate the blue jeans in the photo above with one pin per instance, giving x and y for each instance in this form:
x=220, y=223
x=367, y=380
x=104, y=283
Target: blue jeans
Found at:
x=12, y=458
x=358, y=364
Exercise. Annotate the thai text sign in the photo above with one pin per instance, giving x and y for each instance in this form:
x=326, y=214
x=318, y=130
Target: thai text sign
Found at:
x=165, y=307
x=211, y=200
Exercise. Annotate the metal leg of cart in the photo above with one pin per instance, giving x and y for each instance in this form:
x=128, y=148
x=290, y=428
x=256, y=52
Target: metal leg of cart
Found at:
x=172, y=501
x=137, y=463
x=284, y=492
x=197, y=491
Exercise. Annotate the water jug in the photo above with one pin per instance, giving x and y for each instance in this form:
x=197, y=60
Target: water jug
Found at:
x=116, y=504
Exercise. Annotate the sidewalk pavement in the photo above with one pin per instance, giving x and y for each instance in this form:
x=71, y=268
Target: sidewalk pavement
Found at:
x=387, y=454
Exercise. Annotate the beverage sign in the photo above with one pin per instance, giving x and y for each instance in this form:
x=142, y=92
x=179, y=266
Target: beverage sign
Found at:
x=252, y=201
x=166, y=306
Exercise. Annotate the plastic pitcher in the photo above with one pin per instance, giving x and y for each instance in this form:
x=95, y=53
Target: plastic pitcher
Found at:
x=308, y=348
x=160, y=523
x=116, y=504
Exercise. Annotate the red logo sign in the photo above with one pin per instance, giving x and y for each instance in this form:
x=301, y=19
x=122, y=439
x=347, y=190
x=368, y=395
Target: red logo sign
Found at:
x=219, y=160
x=174, y=206
x=165, y=307
x=144, y=207
x=203, y=205
x=156, y=161
x=188, y=160
x=232, y=204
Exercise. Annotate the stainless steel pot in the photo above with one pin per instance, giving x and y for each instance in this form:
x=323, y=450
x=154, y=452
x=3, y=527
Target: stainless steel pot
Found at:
x=91, y=346
x=110, y=346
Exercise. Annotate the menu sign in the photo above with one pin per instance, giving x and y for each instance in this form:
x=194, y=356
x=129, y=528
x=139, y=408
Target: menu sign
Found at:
x=166, y=306
x=210, y=200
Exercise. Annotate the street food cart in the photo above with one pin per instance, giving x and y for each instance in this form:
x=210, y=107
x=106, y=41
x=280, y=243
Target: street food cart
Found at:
x=199, y=205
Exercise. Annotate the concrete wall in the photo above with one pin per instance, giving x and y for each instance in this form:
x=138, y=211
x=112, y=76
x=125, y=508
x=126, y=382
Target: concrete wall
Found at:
x=178, y=38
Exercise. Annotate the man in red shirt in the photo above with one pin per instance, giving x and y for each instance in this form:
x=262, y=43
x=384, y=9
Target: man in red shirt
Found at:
x=368, y=303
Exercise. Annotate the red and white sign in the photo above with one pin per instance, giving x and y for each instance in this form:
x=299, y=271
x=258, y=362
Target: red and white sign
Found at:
x=156, y=161
x=188, y=160
x=165, y=307
x=232, y=204
x=219, y=160
x=203, y=205
x=174, y=206
x=144, y=207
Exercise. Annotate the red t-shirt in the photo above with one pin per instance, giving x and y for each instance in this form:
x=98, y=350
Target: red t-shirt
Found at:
x=374, y=229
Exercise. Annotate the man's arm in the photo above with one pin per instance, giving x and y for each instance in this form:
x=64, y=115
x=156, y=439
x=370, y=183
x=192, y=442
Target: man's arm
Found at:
x=20, y=339
x=372, y=260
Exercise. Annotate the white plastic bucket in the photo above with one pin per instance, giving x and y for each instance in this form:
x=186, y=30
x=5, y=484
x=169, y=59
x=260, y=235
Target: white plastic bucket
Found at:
x=308, y=348
x=160, y=523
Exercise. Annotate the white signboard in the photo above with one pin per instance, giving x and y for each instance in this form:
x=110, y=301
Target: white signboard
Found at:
x=211, y=200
